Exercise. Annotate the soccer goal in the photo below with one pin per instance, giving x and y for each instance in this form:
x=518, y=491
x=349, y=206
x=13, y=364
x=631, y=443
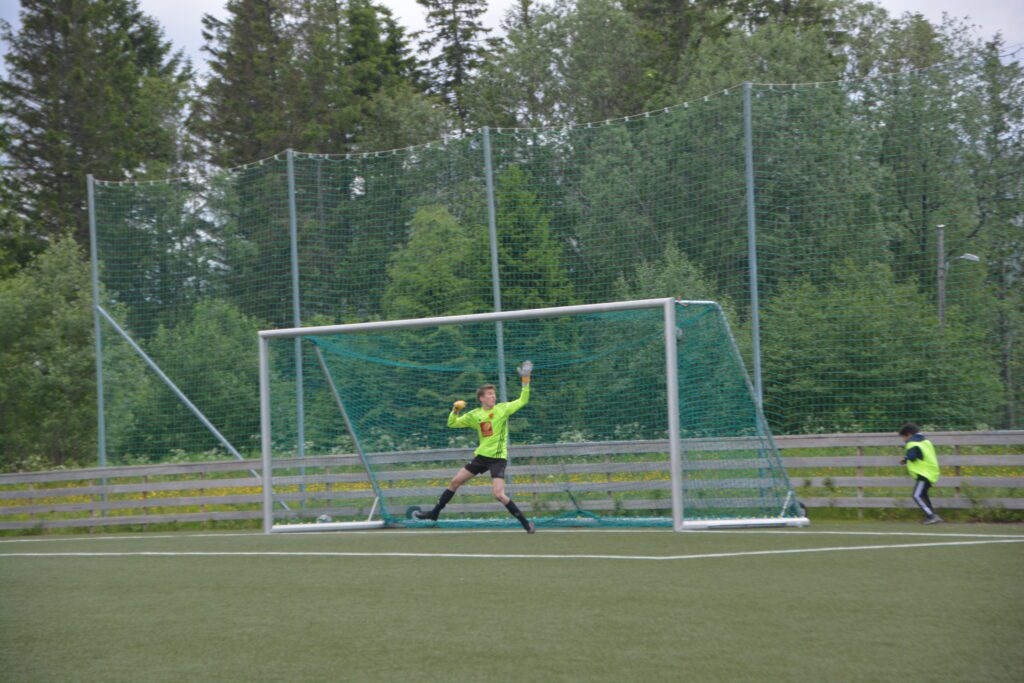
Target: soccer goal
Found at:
x=641, y=414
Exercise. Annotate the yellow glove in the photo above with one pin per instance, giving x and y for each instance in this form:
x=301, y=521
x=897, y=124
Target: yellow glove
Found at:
x=458, y=405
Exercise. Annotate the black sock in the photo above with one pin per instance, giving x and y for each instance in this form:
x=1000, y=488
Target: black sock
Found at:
x=517, y=513
x=445, y=497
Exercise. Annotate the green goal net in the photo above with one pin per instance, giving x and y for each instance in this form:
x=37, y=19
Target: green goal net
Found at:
x=592, y=446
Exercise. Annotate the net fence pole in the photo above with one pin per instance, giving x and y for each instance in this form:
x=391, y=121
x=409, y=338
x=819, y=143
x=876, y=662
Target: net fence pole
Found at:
x=293, y=232
x=492, y=229
x=672, y=392
x=940, y=270
x=101, y=426
x=755, y=310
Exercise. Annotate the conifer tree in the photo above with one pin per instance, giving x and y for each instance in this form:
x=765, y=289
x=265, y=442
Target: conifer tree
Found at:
x=91, y=87
x=531, y=260
x=243, y=112
x=323, y=94
x=299, y=74
x=455, y=41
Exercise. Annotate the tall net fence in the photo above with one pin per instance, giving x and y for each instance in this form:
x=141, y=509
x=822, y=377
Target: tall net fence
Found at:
x=885, y=285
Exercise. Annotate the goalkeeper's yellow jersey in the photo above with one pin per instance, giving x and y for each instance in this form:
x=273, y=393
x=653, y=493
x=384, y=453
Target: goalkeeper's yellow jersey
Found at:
x=491, y=425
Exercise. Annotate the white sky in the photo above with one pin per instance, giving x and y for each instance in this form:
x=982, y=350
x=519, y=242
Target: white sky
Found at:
x=181, y=18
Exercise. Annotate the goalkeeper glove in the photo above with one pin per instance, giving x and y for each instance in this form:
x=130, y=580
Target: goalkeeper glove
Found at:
x=458, y=405
x=524, y=371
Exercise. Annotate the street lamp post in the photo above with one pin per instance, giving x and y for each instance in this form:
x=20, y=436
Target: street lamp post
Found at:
x=942, y=268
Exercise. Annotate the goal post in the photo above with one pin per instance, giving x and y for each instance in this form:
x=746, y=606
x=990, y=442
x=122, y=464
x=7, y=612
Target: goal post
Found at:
x=640, y=414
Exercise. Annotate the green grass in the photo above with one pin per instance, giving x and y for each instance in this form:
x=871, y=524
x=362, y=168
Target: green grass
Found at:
x=921, y=613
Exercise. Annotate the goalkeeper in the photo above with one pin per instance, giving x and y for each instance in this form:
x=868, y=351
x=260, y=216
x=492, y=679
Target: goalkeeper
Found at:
x=490, y=421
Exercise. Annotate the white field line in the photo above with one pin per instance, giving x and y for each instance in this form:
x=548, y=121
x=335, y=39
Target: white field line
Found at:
x=508, y=556
x=139, y=537
x=546, y=531
x=928, y=534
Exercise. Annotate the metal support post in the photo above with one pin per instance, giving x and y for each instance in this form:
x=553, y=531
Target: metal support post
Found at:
x=495, y=279
x=941, y=269
x=101, y=432
x=293, y=231
x=755, y=310
x=171, y=385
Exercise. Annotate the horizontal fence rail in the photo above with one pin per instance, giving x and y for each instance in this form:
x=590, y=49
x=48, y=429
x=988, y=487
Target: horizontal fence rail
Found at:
x=230, y=490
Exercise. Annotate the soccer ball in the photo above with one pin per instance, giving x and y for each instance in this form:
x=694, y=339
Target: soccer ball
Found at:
x=324, y=519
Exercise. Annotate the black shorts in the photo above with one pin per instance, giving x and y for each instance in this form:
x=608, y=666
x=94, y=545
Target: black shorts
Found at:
x=482, y=463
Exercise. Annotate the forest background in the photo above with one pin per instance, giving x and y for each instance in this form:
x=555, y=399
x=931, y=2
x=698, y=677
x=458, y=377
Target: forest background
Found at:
x=94, y=87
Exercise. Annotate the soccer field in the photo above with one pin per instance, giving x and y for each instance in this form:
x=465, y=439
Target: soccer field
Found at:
x=868, y=601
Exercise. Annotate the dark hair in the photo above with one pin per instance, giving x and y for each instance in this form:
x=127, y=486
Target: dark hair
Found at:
x=909, y=429
x=481, y=390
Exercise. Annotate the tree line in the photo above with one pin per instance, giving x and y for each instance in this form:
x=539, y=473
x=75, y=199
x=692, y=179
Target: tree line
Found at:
x=94, y=87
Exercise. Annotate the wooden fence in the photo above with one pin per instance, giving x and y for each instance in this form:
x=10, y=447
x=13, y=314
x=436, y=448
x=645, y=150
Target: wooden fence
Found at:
x=865, y=475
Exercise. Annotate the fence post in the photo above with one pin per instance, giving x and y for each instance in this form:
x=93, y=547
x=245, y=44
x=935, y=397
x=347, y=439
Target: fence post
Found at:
x=145, y=494
x=97, y=498
x=860, y=489
x=755, y=309
x=608, y=476
x=202, y=493
x=956, y=472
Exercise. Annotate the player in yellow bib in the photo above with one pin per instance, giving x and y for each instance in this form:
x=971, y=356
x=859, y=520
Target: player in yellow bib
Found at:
x=490, y=421
x=922, y=464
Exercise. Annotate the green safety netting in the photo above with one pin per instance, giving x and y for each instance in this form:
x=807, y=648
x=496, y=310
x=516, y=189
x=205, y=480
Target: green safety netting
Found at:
x=863, y=321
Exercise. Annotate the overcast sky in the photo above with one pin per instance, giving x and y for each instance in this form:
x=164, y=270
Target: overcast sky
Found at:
x=181, y=18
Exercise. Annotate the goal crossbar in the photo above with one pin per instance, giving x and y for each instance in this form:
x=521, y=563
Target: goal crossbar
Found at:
x=499, y=316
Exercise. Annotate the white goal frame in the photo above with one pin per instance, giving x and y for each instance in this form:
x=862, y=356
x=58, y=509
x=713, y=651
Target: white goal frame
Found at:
x=667, y=305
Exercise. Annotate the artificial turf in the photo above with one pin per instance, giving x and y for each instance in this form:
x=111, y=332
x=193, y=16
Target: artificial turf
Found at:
x=938, y=612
